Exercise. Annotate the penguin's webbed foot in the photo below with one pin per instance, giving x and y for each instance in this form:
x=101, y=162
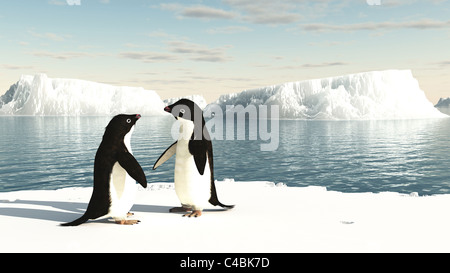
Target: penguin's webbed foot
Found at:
x=195, y=213
x=130, y=214
x=180, y=209
x=127, y=222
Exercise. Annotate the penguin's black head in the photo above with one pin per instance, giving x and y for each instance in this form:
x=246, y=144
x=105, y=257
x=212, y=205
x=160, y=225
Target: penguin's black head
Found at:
x=120, y=125
x=185, y=109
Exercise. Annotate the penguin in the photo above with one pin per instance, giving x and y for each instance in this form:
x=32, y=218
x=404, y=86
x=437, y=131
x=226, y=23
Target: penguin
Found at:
x=115, y=174
x=194, y=166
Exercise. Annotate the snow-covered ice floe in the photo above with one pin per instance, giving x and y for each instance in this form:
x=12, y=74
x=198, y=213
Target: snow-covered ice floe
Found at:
x=267, y=218
x=390, y=94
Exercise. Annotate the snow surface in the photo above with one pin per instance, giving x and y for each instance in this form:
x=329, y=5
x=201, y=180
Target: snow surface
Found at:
x=268, y=217
x=40, y=95
x=198, y=99
x=390, y=94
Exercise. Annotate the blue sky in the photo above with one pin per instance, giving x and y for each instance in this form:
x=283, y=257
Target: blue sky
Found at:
x=221, y=46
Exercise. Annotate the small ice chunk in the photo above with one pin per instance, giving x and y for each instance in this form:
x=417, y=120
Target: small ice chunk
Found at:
x=414, y=194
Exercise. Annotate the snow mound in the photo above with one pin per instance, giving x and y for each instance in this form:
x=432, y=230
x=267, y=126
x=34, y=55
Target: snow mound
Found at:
x=390, y=94
x=198, y=99
x=39, y=95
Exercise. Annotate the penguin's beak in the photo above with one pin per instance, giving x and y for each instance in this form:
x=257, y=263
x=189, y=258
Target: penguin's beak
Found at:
x=138, y=116
x=167, y=109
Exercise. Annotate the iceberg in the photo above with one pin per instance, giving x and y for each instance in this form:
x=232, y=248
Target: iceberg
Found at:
x=40, y=95
x=443, y=102
x=390, y=94
x=198, y=99
x=443, y=105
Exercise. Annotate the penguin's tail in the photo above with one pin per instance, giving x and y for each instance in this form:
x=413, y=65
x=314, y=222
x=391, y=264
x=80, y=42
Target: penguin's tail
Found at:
x=77, y=222
x=226, y=206
x=214, y=200
x=218, y=203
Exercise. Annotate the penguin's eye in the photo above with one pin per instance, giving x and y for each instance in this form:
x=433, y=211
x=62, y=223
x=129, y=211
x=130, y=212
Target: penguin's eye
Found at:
x=182, y=111
x=128, y=120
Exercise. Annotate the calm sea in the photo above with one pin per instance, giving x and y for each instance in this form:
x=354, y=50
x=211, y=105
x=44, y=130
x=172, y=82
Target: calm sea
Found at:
x=348, y=156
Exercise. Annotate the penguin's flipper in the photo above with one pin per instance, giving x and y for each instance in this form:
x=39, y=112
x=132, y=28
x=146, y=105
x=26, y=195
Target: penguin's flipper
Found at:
x=168, y=153
x=198, y=149
x=130, y=164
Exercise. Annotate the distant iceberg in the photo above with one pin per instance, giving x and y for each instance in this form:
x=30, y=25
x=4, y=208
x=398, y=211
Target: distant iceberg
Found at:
x=390, y=94
x=39, y=95
x=443, y=105
x=198, y=99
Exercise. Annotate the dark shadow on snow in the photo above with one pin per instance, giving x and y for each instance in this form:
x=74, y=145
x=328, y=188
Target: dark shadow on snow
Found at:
x=71, y=210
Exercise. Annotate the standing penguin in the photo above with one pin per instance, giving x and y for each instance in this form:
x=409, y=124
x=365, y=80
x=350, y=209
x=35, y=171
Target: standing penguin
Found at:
x=194, y=167
x=115, y=174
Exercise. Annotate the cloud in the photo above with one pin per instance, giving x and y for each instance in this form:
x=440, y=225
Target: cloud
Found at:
x=259, y=12
x=199, y=11
x=397, y=3
x=274, y=19
x=62, y=55
x=311, y=65
x=443, y=63
x=72, y=2
x=149, y=57
x=197, y=52
x=17, y=67
x=179, y=51
x=229, y=30
x=50, y=36
x=268, y=11
x=323, y=65
x=422, y=24
x=205, y=12
x=330, y=43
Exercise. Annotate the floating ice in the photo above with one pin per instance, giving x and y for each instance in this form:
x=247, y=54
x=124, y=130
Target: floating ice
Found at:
x=390, y=94
x=40, y=95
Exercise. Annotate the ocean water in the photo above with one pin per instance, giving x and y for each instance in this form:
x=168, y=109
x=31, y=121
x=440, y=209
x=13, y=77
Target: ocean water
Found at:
x=348, y=156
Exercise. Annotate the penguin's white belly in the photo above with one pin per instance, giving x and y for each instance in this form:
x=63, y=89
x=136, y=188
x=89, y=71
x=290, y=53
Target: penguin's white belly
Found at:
x=122, y=191
x=193, y=189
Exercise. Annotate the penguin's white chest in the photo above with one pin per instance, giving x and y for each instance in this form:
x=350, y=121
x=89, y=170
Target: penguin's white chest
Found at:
x=123, y=188
x=192, y=188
